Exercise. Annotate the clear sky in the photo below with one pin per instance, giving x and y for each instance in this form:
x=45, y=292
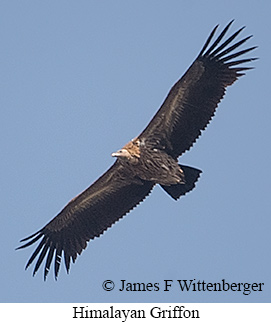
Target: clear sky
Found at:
x=79, y=79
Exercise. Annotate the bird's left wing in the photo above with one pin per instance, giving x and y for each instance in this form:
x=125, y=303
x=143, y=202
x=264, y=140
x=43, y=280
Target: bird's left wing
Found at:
x=87, y=216
x=192, y=101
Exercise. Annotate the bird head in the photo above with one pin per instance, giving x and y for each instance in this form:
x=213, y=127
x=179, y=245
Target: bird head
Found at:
x=129, y=153
x=122, y=153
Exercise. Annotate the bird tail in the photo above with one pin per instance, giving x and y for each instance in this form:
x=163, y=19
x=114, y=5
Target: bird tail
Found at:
x=191, y=176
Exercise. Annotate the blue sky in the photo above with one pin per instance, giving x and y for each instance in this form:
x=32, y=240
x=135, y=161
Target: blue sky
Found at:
x=79, y=79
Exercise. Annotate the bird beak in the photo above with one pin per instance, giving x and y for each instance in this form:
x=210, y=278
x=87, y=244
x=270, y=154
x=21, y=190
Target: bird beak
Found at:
x=116, y=154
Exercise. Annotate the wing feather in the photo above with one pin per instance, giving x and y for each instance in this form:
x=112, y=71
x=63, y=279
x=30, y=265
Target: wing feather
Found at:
x=87, y=216
x=192, y=101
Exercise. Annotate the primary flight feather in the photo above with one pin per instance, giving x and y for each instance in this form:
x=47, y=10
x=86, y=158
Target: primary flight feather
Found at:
x=147, y=160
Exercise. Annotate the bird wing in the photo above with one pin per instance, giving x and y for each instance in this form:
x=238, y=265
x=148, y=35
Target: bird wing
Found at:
x=192, y=101
x=87, y=216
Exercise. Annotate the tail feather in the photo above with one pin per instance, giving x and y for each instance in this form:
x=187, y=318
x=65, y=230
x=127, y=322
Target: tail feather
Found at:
x=191, y=176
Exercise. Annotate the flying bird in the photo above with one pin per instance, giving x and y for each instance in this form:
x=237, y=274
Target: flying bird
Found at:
x=149, y=159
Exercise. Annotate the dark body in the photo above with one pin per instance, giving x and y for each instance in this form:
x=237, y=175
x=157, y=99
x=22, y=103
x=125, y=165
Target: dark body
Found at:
x=149, y=159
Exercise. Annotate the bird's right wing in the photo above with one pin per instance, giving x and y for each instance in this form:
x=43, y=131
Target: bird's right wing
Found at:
x=87, y=216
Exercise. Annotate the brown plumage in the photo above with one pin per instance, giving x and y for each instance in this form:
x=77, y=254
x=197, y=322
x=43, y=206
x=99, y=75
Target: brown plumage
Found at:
x=147, y=160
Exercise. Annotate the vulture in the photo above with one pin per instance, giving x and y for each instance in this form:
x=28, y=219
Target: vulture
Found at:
x=149, y=159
